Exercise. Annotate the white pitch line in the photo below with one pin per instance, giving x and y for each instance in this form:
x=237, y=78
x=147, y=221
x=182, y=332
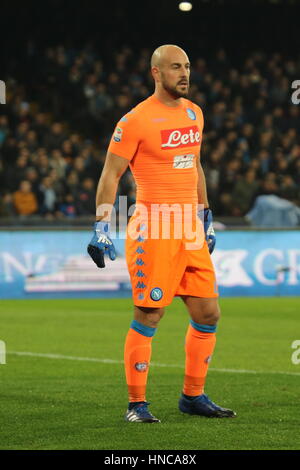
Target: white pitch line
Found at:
x=155, y=364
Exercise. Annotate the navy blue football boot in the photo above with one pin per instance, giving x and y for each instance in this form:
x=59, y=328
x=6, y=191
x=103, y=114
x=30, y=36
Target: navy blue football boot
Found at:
x=203, y=406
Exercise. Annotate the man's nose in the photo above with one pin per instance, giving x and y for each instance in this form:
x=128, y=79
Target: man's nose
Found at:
x=184, y=72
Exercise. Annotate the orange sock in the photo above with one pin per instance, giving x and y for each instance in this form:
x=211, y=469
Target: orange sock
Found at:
x=137, y=355
x=199, y=345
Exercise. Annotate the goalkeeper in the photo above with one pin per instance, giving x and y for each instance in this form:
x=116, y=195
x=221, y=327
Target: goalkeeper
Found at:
x=160, y=140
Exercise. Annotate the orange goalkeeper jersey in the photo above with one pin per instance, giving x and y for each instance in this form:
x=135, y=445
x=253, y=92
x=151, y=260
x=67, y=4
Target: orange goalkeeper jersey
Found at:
x=162, y=144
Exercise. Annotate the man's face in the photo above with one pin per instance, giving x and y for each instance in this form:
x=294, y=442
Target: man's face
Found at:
x=174, y=74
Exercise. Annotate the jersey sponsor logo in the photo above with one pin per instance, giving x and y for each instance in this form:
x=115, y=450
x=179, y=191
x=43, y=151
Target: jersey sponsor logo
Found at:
x=118, y=134
x=191, y=114
x=183, y=161
x=156, y=294
x=182, y=137
x=141, y=366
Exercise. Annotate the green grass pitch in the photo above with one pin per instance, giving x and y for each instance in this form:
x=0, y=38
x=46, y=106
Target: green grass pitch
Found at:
x=77, y=398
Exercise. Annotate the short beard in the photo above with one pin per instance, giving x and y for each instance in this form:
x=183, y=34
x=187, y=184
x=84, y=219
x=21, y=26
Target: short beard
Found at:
x=174, y=92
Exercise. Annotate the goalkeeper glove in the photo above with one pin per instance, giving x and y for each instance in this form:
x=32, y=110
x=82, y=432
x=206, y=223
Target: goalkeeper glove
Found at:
x=210, y=235
x=101, y=243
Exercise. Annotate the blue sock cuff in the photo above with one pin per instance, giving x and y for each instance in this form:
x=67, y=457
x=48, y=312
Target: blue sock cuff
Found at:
x=203, y=328
x=142, y=329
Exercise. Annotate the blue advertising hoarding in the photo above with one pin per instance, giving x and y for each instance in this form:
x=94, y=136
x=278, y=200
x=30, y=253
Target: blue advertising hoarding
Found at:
x=55, y=264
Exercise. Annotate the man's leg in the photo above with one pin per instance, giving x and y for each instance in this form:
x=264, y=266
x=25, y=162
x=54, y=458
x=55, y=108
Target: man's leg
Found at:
x=137, y=355
x=199, y=346
x=200, y=341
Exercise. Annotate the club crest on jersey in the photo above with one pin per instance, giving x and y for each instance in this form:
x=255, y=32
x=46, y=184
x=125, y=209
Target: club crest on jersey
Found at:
x=182, y=137
x=118, y=134
x=191, y=114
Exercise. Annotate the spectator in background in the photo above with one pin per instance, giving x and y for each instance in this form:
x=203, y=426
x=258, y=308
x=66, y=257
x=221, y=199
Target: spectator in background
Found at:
x=24, y=200
x=264, y=162
x=32, y=141
x=85, y=201
x=42, y=163
x=269, y=185
x=289, y=190
x=72, y=184
x=9, y=151
x=67, y=150
x=67, y=206
x=33, y=177
x=7, y=208
x=57, y=184
x=41, y=127
x=101, y=102
x=55, y=136
x=229, y=175
x=21, y=131
x=4, y=129
x=58, y=163
x=79, y=165
x=244, y=193
x=47, y=197
x=14, y=174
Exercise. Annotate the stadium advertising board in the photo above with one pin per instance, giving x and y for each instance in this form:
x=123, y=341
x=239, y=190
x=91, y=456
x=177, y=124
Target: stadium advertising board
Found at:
x=55, y=264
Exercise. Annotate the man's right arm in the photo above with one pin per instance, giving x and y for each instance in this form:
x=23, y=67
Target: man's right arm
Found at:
x=114, y=168
x=101, y=243
x=122, y=147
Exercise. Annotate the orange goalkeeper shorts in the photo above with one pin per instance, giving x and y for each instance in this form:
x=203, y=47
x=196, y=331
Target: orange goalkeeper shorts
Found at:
x=162, y=268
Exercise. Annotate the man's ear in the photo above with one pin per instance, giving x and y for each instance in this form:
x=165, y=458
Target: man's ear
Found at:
x=155, y=74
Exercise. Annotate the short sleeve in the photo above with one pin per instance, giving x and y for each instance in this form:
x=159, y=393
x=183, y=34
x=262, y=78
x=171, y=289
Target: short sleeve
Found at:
x=125, y=139
x=199, y=120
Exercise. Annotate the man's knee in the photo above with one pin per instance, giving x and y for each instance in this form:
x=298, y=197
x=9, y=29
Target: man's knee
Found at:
x=212, y=313
x=148, y=316
x=206, y=311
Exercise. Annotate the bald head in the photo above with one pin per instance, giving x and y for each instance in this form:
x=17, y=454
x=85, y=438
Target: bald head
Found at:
x=170, y=68
x=165, y=53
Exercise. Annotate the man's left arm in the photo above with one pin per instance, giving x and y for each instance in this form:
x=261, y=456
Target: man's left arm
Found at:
x=204, y=212
x=201, y=188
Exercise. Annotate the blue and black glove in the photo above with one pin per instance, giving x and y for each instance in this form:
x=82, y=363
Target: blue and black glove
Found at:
x=101, y=244
x=210, y=236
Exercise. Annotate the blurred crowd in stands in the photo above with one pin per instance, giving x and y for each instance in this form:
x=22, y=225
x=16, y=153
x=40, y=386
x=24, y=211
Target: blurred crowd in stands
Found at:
x=63, y=104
